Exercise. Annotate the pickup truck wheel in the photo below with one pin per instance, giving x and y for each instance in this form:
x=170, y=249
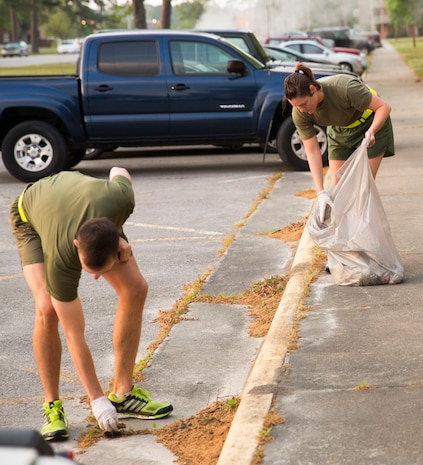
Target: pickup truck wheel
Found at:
x=291, y=148
x=93, y=154
x=74, y=157
x=271, y=146
x=33, y=150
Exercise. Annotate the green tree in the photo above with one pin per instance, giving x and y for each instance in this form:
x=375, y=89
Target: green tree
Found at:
x=405, y=15
x=187, y=14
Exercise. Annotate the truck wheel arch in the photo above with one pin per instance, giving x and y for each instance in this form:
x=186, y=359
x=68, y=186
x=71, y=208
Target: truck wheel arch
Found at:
x=34, y=149
x=291, y=149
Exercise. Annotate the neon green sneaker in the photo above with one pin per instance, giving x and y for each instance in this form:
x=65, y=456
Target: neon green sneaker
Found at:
x=55, y=422
x=138, y=404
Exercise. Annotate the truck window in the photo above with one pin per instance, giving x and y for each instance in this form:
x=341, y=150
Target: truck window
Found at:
x=137, y=58
x=197, y=58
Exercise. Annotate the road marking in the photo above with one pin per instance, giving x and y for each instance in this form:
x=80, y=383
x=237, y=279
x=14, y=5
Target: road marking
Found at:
x=245, y=178
x=173, y=228
x=162, y=239
x=12, y=276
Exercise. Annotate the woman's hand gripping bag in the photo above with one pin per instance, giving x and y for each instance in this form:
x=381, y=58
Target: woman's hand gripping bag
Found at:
x=355, y=232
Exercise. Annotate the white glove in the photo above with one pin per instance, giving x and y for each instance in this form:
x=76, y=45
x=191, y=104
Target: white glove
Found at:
x=105, y=413
x=324, y=201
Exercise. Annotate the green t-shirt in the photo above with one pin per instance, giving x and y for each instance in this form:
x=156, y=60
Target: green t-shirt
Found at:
x=345, y=100
x=57, y=206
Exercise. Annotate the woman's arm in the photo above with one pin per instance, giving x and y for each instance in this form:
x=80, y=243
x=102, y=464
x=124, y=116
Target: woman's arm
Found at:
x=115, y=171
x=382, y=111
x=315, y=162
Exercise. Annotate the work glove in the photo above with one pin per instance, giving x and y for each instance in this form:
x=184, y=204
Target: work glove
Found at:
x=324, y=201
x=105, y=414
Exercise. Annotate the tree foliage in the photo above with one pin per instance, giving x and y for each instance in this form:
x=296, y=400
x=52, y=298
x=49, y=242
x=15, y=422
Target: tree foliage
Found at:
x=62, y=19
x=405, y=13
x=187, y=14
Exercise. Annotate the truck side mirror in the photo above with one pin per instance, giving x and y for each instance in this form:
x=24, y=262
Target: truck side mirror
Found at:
x=236, y=67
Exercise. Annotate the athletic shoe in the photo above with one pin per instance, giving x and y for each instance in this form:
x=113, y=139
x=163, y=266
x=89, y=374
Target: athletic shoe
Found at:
x=138, y=404
x=55, y=422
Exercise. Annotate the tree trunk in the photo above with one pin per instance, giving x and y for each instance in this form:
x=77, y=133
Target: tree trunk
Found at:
x=34, y=27
x=13, y=24
x=140, y=21
x=165, y=15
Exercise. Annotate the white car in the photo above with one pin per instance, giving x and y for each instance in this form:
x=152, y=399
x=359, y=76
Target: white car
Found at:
x=316, y=51
x=69, y=46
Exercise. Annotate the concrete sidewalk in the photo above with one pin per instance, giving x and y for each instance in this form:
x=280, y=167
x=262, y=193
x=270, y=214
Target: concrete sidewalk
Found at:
x=353, y=392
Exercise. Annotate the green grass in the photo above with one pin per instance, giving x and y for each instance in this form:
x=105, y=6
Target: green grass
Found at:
x=411, y=55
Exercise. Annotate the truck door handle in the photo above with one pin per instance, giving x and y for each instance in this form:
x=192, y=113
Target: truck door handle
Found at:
x=103, y=88
x=180, y=87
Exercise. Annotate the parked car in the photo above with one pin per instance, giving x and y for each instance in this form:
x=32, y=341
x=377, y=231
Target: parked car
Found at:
x=311, y=49
x=373, y=37
x=345, y=37
x=15, y=49
x=286, y=56
x=69, y=46
x=245, y=40
x=277, y=40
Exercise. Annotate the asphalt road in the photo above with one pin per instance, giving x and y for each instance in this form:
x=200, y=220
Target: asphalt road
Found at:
x=33, y=60
x=187, y=202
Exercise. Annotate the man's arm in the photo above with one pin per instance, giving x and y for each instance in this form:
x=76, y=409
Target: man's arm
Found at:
x=115, y=171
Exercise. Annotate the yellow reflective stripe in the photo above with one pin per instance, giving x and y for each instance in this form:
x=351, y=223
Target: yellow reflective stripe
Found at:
x=20, y=209
x=364, y=116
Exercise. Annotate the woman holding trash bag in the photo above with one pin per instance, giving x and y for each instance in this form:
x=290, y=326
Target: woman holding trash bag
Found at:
x=350, y=110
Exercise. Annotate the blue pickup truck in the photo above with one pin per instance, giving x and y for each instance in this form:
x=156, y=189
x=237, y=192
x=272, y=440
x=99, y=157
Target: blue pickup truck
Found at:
x=145, y=88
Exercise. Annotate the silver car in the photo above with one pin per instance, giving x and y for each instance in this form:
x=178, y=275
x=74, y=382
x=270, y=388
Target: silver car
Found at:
x=314, y=50
x=15, y=49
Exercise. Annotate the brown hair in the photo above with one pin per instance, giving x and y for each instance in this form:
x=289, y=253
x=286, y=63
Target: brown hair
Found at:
x=98, y=241
x=298, y=83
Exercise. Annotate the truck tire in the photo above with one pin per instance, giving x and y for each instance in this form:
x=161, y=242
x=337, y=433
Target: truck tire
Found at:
x=33, y=150
x=291, y=148
x=93, y=154
x=74, y=157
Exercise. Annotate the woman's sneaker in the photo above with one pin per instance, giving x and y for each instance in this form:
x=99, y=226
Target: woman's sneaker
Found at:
x=138, y=404
x=55, y=422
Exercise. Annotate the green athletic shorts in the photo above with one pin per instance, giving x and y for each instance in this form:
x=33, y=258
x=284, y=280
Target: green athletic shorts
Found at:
x=27, y=239
x=342, y=142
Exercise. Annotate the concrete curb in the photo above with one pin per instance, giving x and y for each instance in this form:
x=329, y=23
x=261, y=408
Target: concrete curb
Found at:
x=256, y=400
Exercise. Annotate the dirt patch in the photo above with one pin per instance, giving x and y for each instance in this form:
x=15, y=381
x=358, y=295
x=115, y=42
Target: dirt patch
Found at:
x=200, y=438
x=290, y=233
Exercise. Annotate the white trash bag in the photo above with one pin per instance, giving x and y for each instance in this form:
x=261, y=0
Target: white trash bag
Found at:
x=355, y=232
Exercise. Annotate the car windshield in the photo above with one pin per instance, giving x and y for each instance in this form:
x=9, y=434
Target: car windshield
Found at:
x=12, y=45
x=253, y=61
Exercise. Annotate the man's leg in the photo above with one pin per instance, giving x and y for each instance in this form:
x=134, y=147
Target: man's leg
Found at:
x=131, y=288
x=47, y=352
x=46, y=339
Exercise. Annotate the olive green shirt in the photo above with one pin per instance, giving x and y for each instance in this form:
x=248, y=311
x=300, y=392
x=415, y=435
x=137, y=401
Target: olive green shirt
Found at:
x=57, y=206
x=345, y=100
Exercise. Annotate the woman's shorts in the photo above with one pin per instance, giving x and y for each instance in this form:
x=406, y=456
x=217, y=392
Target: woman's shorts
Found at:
x=27, y=239
x=342, y=142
